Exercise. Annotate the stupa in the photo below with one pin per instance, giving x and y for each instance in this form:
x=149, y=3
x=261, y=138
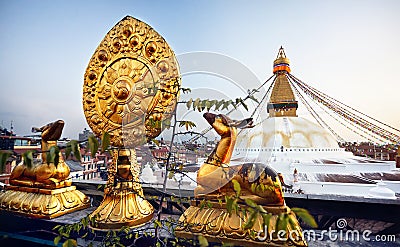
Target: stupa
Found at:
x=288, y=143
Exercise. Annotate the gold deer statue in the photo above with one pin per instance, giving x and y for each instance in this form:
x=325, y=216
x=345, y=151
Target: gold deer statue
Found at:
x=215, y=174
x=259, y=183
x=43, y=190
x=44, y=175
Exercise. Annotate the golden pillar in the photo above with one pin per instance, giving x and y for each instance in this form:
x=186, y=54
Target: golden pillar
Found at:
x=124, y=203
x=130, y=87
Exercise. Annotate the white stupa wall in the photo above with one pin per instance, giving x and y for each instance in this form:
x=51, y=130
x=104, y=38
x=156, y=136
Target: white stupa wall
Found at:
x=330, y=188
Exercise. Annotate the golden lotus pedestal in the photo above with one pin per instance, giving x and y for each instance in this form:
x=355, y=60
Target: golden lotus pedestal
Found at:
x=42, y=203
x=124, y=203
x=122, y=207
x=216, y=225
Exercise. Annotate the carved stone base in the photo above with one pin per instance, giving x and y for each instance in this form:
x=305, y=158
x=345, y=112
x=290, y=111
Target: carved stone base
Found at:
x=42, y=203
x=122, y=207
x=217, y=225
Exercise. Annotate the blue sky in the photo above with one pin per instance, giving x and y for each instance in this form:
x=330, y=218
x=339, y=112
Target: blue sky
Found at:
x=347, y=49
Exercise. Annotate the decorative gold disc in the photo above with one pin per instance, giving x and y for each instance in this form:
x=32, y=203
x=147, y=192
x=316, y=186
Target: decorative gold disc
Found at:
x=132, y=79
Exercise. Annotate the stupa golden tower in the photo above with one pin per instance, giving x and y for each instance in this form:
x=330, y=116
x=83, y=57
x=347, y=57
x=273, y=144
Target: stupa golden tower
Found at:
x=282, y=101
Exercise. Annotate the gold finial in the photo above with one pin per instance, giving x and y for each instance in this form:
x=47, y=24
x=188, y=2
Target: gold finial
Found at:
x=282, y=102
x=281, y=53
x=281, y=63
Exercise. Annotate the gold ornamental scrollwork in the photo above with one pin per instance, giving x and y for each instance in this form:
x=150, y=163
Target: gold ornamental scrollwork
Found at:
x=132, y=78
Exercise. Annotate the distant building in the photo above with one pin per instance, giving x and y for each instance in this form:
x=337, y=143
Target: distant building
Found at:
x=5, y=132
x=76, y=169
x=371, y=150
x=84, y=135
x=17, y=145
x=160, y=152
x=6, y=143
x=6, y=139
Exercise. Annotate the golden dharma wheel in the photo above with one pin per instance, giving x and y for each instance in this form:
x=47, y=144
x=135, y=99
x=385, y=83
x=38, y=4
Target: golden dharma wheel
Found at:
x=132, y=82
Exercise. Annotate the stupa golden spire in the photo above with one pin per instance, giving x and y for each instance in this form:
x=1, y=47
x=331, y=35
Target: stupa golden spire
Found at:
x=282, y=102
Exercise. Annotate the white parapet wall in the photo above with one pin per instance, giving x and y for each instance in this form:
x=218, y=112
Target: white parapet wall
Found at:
x=332, y=188
x=393, y=185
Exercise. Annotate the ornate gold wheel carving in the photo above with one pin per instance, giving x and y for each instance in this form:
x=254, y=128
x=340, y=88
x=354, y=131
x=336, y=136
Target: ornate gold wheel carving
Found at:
x=132, y=77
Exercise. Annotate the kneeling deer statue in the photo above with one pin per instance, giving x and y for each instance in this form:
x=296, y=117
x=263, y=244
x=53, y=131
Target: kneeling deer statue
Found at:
x=215, y=176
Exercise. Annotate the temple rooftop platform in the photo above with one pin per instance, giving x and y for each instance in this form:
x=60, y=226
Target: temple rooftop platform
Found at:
x=380, y=215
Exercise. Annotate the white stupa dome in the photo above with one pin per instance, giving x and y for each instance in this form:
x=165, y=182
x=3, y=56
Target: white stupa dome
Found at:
x=147, y=175
x=287, y=132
